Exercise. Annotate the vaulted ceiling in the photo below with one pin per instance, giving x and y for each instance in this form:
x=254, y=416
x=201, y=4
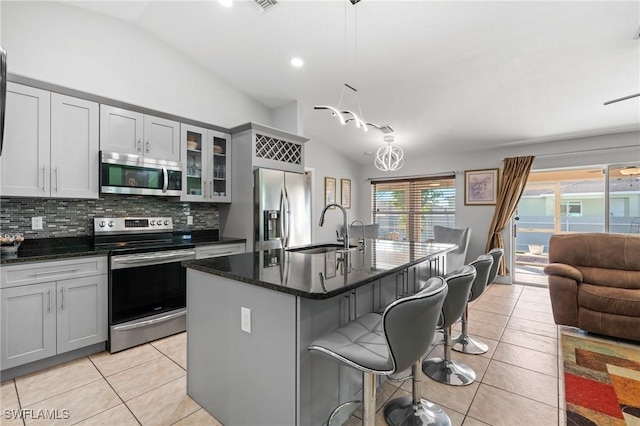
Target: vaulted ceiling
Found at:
x=447, y=75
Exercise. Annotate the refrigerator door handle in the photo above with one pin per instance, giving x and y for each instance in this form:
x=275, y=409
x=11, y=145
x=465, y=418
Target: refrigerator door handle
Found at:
x=283, y=221
x=287, y=218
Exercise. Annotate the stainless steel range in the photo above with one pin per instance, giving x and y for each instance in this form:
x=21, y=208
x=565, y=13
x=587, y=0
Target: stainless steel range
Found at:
x=147, y=284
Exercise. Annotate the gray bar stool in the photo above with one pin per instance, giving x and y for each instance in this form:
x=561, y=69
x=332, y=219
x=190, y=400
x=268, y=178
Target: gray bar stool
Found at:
x=382, y=345
x=445, y=370
x=464, y=343
x=461, y=237
x=416, y=411
x=497, y=254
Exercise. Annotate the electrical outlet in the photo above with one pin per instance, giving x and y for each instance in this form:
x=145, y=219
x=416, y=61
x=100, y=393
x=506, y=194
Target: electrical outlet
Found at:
x=189, y=220
x=36, y=223
x=245, y=319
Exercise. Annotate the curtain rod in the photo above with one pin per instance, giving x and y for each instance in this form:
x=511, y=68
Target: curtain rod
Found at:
x=454, y=172
x=587, y=150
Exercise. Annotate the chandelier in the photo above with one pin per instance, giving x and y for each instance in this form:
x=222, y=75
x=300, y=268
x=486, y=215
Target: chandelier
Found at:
x=389, y=158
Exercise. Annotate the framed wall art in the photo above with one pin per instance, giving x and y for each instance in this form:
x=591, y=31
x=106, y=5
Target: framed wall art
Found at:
x=345, y=193
x=480, y=187
x=329, y=190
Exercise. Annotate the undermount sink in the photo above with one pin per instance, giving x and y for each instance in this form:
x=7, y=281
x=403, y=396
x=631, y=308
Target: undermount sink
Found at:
x=320, y=248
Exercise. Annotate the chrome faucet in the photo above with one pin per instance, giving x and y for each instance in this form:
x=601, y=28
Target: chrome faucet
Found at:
x=363, y=243
x=345, y=237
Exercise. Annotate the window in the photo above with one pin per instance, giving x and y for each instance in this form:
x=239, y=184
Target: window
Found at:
x=408, y=209
x=571, y=208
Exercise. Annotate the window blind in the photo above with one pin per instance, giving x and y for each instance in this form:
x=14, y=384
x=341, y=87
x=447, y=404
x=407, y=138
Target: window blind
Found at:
x=406, y=210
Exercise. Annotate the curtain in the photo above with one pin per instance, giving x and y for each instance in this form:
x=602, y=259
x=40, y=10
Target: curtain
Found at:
x=514, y=177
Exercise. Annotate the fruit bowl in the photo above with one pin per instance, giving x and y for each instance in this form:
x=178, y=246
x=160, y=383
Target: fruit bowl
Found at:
x=9, y=243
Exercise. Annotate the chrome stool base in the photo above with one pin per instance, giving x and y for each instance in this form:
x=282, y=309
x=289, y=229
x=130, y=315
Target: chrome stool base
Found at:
x=404, y=412
x=448, y=372
x=468, y=345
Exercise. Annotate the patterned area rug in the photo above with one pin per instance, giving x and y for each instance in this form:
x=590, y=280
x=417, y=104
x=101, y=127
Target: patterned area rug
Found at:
x=602, y=383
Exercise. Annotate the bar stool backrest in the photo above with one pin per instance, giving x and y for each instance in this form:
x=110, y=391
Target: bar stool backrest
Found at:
x=459, y=283
x=483, y=267
x=410, y=323
x=497, y=254
x=461, y=237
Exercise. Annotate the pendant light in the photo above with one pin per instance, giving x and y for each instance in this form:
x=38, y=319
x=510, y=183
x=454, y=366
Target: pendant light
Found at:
x=345, y=115
x=389, y=158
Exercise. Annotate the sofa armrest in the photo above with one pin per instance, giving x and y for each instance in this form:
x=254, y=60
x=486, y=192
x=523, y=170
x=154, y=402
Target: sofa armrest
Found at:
x=564, y=270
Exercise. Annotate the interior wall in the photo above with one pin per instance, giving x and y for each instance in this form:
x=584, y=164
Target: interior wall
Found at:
x=585, y=151
x=82, y=50
x=326, y=162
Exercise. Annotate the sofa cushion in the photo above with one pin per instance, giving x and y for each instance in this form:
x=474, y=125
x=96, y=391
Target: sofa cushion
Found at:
x=619, y=301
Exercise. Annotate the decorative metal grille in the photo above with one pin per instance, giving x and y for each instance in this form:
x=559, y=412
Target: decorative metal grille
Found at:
x=278, y=150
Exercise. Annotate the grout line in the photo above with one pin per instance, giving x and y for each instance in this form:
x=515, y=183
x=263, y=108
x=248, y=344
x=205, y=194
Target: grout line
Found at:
x=116, y=392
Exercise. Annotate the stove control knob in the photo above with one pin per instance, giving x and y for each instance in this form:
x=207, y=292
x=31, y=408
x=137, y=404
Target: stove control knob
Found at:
x=166, y=222
x=159, y=222
x=153, y=222
x=110, y=224
x=101, y=224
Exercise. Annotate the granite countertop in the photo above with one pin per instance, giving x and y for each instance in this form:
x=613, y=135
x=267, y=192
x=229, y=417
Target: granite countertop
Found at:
x=42, y=249
x=322, y=275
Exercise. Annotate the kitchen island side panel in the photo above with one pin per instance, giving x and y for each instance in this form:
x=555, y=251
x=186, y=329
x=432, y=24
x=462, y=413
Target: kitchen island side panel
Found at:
x=241, y=378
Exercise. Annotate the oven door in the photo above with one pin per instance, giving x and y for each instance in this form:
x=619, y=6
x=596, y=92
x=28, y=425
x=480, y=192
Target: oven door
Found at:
x=147, y=297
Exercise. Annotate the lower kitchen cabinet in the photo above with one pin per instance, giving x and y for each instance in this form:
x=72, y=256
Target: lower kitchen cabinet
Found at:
x=48, y=318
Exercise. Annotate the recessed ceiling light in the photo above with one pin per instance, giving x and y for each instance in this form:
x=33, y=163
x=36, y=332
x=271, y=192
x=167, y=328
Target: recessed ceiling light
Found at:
x=226, y=3
x=297, y=62
x=368, y=153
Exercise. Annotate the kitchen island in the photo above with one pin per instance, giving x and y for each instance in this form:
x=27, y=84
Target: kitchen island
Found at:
x=264, y=374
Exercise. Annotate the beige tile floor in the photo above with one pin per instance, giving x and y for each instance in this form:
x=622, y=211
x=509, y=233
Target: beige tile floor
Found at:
x=519, y=379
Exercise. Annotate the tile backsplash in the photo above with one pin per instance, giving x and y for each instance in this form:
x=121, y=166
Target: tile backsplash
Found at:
x=74, y=218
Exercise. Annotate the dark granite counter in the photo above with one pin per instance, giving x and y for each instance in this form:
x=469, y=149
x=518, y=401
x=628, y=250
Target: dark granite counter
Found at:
x=322, y=275
x=42, y=249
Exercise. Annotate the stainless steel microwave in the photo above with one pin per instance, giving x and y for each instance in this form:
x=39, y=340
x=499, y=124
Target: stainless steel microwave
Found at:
x=137, y=175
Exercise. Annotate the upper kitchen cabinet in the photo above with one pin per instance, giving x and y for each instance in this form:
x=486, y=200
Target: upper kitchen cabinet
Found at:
x=270, y=148
x=51, y=145
x=207, y=165
x=129, y=132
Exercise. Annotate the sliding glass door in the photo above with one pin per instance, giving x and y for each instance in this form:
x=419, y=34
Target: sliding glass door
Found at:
x=596, y=199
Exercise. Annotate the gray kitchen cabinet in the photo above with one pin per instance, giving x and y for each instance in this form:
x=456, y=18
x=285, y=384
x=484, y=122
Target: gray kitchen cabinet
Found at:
x=207, y=165
x=28, y=324
x=82, y=312
x=27, y=142
x=130, y=132
x=51, y=145
x=75, y=147
x=49, y=308
x=216, y=250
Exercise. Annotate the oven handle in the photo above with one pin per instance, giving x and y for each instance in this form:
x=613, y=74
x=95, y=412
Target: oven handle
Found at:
x=150, y=322
x=122, y=262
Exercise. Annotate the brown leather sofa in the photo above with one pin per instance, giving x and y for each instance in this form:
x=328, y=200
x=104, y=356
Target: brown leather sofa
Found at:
x=594, y=282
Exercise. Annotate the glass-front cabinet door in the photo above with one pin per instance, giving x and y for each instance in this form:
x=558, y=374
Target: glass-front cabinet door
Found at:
x=206, y=168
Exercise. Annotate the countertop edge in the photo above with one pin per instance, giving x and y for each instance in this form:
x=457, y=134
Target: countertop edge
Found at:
x=195, y=265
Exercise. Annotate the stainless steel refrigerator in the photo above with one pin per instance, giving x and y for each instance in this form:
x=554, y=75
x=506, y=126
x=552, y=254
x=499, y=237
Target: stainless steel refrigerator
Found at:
x=282, y=212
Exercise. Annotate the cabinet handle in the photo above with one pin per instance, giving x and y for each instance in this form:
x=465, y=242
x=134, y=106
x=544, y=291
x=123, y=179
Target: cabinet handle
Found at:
x=139, y=145
x=44, y=178
x=56, y=173
x=62, y=298
x=49, y=295
x=146, y=149
x=211, y=192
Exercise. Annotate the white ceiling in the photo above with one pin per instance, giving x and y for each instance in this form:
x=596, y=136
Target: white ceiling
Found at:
x=447, y=75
